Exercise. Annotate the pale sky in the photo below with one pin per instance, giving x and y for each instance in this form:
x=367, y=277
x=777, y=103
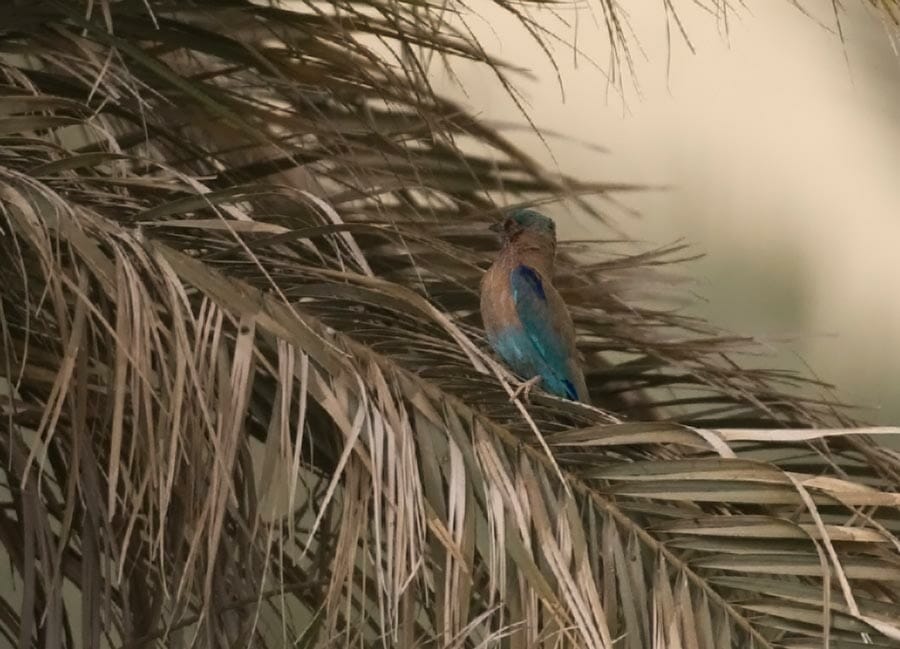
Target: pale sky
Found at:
x=783, y=149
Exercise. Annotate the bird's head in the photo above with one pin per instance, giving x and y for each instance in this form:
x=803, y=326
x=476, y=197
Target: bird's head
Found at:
x=521, y=222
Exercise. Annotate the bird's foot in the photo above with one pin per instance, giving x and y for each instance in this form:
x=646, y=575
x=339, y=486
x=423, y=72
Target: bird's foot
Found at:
x=524, y=389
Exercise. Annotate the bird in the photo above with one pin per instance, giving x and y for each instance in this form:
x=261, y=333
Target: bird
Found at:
x=525, y=318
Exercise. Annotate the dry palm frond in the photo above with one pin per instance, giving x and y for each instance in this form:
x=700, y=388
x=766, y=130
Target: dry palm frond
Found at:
x=246, y=401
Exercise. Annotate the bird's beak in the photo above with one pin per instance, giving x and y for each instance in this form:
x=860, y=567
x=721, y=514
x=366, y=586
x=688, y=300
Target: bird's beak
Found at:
x=496, y=227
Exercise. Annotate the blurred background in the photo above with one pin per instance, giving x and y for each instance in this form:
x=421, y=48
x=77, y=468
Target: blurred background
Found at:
x=778, y=139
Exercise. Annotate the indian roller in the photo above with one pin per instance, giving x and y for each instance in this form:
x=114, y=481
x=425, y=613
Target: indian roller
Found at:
x=525, y=318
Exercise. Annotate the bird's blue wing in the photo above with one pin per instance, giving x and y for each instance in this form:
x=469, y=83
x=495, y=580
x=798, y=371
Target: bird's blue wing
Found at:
x=542, y=326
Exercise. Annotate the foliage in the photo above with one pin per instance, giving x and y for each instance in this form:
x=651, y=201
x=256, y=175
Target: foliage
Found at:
x=247, y=402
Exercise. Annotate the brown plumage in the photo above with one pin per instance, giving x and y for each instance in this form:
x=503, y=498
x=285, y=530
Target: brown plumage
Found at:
x=525, y=318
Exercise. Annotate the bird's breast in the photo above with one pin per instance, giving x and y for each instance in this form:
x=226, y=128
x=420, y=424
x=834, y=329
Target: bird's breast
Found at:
x=504, y=330
x=498, y=309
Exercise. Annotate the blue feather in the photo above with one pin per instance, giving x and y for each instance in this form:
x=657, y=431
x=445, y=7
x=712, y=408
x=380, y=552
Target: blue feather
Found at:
x=529, y=277
x=547, y=354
